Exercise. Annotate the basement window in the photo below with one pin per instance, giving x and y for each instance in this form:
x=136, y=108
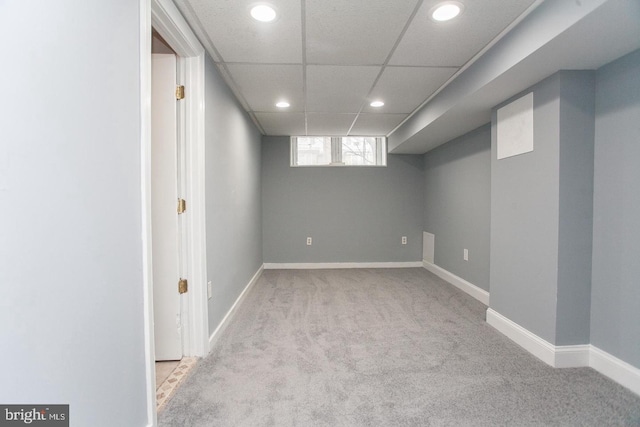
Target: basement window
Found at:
x=338, y=151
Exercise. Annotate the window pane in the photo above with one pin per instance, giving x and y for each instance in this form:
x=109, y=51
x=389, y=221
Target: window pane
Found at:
x=359, y=151
x=338, y=151
x=313, y=150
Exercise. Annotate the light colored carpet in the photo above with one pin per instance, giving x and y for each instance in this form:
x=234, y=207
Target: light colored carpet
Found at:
x=381, y=347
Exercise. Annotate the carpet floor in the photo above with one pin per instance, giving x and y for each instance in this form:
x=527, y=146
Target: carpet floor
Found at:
x=381, y=347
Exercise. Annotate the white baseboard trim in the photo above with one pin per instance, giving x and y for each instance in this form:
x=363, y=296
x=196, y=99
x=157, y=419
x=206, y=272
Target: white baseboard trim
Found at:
x=337, y=265
x=563, y=356
x=572, y=356
x=618, y=370
x=468, y=287
x=535, y=345
x=568, y=356
x=227, y=318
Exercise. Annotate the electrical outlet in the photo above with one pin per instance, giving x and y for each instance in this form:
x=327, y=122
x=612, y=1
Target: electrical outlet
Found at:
x=465, y=255
x=404, y=240
x=309, y=241
x=209, y=289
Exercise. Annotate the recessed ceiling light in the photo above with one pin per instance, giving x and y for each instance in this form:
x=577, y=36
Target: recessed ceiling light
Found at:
x=263, y=13
x=283, y=104
x=446, y=10
x=377, y=104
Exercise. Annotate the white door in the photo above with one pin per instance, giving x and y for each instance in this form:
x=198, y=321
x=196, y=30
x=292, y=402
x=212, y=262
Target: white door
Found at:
x=164, y=215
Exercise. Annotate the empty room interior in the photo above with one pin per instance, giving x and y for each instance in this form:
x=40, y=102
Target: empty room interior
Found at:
x=321, y=212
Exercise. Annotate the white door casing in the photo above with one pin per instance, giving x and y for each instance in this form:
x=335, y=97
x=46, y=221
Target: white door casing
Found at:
x=164, y=16
x=173, y=28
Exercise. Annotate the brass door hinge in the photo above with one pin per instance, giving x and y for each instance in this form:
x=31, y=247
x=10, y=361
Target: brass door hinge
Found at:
x=179, y=92
x=182, y=206
x=183, y=286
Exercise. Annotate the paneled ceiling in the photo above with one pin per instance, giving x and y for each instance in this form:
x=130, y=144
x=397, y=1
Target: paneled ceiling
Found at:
x=330, y=58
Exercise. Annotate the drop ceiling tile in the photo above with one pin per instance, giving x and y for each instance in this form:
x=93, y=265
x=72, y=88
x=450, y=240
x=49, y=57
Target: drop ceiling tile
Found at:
x=338, y=89
x=371, y=28
x=454, y=42
x=376, y=123
x=403, y=89
x=276, y=124
x=240, y=38
x=329, y=124
x=264, y=85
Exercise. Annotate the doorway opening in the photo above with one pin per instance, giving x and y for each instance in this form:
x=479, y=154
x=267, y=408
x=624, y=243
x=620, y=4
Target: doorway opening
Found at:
x=166, y=222
x=192, y=320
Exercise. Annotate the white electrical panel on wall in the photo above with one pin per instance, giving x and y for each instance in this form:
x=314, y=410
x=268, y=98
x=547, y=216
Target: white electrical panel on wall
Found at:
x=515, y=127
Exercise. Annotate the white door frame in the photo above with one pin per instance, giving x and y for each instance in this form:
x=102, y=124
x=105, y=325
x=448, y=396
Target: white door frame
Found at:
x=167, y=20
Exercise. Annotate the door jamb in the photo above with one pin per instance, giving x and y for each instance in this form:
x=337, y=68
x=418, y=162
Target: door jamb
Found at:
x=168, y=21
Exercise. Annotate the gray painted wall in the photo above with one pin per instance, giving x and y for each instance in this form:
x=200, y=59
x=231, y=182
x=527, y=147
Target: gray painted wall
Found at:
x=524, y=221
x=71, y=310
x=541, y=215
x=577, y=118
x=457, y=204
x=356, y=214
x=233, y=207
x=615, y=301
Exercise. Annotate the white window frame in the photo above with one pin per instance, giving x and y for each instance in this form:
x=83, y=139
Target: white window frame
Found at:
x=336, y=152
